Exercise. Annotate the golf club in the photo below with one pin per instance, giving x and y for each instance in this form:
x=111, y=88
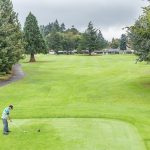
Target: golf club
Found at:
x=24, y=131
x=19, y=128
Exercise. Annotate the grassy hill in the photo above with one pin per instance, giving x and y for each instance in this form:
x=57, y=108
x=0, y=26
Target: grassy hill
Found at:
x=110, y=87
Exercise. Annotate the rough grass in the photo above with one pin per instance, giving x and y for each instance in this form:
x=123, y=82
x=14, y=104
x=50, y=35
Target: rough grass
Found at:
x=110, y=86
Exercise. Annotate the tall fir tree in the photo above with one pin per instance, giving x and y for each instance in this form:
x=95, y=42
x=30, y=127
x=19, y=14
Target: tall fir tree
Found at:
x=62, y=27
x=101, y=42
x=123, y=42
x=56, y=26
x=11, y=37
x=90, y=37
x=33, y=38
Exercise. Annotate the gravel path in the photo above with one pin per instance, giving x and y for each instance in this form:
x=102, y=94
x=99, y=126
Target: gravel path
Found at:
x=18, y=74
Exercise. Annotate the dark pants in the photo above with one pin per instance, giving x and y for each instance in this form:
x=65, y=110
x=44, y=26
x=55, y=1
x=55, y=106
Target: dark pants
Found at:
x=5, y=123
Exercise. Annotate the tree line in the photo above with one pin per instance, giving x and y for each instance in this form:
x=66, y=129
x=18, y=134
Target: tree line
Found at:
x=58, y=38
x=15, y=42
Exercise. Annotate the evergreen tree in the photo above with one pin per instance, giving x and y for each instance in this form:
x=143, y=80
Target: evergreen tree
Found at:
x=42, y=30
x=139, y=36
x=90, y=37
x=82, y=43
x=62, y=27
x=134, y=38
x=56, y=26
x=47, y=29
x=33, y=38
x=101, y=42
x=11, y=39
x=123, y=42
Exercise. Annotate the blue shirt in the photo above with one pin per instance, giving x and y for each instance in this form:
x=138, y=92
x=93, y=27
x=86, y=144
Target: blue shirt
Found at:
x=6, y=113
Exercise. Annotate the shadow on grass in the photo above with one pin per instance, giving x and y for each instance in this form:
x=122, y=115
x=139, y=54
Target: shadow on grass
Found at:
x=147, y=143
x=40, y=61
x=88, y=55
x=145, y=82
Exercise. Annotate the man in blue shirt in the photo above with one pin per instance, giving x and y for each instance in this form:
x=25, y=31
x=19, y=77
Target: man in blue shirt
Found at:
x=5, y=118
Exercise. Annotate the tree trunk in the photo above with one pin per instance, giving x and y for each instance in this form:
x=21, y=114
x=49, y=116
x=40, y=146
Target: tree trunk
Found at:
x=32, y=58
x=90, y=52
x=56, y=52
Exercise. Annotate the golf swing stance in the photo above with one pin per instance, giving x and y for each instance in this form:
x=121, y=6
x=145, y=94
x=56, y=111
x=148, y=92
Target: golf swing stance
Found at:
x=5, y=118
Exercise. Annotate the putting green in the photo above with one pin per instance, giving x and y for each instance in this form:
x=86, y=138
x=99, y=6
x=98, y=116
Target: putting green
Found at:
x=71, y=134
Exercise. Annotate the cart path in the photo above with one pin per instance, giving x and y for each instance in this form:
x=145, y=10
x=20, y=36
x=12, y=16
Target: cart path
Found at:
x=17, y=74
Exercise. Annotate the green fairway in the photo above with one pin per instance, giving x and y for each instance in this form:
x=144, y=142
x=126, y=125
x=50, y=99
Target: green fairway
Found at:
x=72, y=134
x=110, y=86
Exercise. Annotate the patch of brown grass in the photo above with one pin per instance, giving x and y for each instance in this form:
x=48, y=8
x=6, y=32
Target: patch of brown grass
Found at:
x=6, y=77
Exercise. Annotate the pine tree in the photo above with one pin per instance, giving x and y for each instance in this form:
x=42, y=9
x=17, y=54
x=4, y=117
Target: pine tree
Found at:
x=123, y=42
x=62, y=27
x=101, y=42
x=90, y=36
x=33, y=38
x=11, y=37
x=56, y=26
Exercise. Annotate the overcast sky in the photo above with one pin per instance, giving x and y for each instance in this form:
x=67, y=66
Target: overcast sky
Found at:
x=108, y=15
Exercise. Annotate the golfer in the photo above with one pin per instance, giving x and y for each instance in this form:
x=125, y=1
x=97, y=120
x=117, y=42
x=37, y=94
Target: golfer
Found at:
x=5, y=118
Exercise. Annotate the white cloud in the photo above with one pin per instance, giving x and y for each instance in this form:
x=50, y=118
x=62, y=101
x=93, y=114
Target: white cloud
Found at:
x=113, y=32
x=109, y=15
